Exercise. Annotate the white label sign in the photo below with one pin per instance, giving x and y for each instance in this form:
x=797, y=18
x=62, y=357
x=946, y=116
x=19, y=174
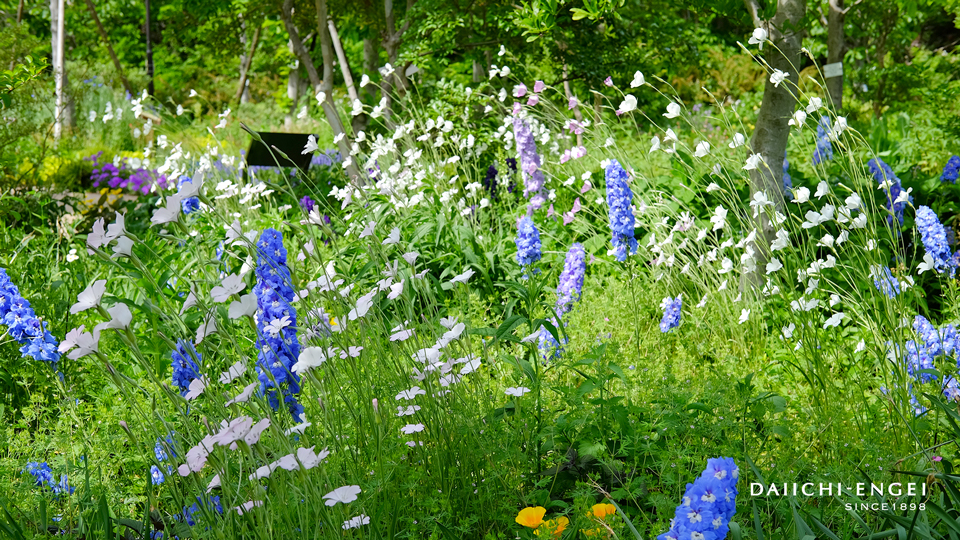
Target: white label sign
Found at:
x=833, y=70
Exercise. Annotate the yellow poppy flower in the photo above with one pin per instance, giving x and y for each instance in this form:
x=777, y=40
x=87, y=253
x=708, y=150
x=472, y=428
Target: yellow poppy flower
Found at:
x=531, y=516
x=553, y=528
x=603, y=510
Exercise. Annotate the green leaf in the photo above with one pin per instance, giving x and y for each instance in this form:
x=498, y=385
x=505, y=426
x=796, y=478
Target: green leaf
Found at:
x=585, y=388
x=579, y=14
x=508, y=326
x=699, y=407
x=618, y=372
x=778, y=403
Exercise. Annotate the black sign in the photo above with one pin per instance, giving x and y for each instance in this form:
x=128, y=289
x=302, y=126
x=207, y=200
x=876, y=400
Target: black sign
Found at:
x=292, y=144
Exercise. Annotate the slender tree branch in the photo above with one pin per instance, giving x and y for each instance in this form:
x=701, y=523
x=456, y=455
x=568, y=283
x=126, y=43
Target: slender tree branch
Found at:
x=753, y=7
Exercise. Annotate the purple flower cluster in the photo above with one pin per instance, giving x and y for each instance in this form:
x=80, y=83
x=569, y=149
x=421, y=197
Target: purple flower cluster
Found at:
x=951, y=170
x=571, y=279
x=883, y=173
x=307, y=203
x=824, y=150
x=671, y=313
x=787, y=181
x=185, y=361
x=533, y=180
x=277, y=343
x=568, y=292
x=709, y=504
x=327, y=158
x=24, y=326
x=126, y=176
x=490, y=181
x=934, y=239
x=622, y=221
x=43, y=477
x=528, y=242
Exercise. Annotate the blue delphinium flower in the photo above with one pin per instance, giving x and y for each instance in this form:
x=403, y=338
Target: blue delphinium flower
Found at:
x=936, y=342
x=533, y=180
x=63, y=486
x=884, y=281
x=185, y=362
x=43, y=478
x=708, y=504
x=212, y=504
x=671, y=313
x=191, y=204
x=918, y=358
x=277, y=343
x=549, y=347
x=951, y=170
x=156, y=475
x=824, y=150
x=951, y=389
x=165, y=448
x=24, y=326
x=41, y=472
x=571, y=279
x=928, y=335
x=883, y=173
x=787, y=181
x=622, y=221
x=528, y=242
x=934, y=239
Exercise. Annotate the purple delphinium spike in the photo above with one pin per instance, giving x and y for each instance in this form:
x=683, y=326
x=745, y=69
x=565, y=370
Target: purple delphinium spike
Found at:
x=622, y=221
x=533, y=180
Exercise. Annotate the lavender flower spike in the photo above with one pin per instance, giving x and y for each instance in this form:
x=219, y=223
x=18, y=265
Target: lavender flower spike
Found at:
x=571, y=280
x=530, y=164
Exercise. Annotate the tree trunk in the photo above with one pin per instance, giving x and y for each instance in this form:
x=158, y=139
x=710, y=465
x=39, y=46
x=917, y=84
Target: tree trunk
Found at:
x=329, y=109
x=478, y=75
x=326, y=50
x=772, y=128
x=293, y=92
x=65, y=109
x=146, y=4
x=243, y=90
x=388, y=82
x=391, y=42
x=342, y=59
x=836, y=49
x=371, y=62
